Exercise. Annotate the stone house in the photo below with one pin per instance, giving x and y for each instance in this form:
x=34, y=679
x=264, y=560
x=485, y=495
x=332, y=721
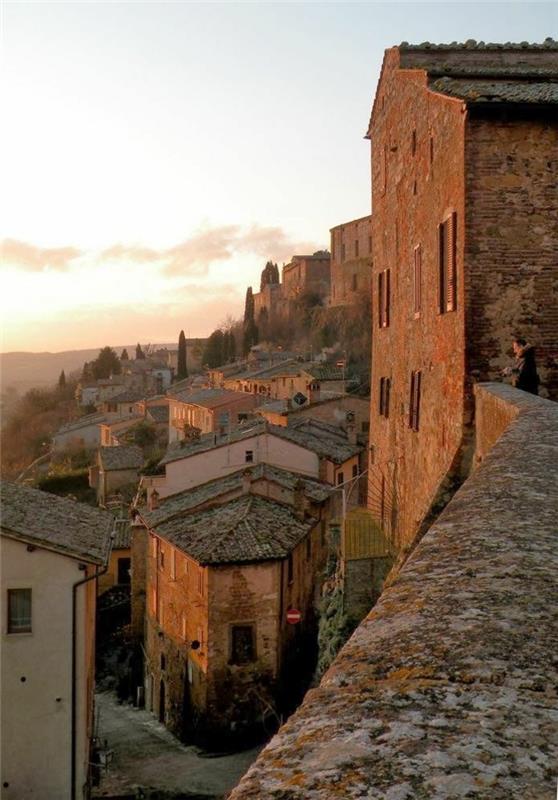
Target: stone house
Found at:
x=82, y=432
x=111, y=430
x=351, y=261
x=307, y=446
x=332, y=410
x=52, y=550
x=119, y=566
x=117, y=468
x=206, y=411
x=221, y=577
x=465, y=253
x=122, y=404
x=307, y=275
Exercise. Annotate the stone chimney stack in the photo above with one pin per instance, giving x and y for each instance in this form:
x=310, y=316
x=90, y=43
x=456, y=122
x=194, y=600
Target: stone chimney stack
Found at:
x=246, y=481
x=299, y=500
x=314, y=392
x=153, y=500
x=351, y=427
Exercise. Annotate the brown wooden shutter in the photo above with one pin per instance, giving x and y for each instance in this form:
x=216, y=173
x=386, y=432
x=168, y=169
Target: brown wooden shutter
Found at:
x=381, y=408
x=386, y=396
x=441, y=268
x=381, y=299
x=387, y=293
x=450, y=238
x=414, y=410
x=418, y=376
x=418, y=278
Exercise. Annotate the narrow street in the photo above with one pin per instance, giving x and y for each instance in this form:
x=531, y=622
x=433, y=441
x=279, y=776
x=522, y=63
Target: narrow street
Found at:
x=147, y=760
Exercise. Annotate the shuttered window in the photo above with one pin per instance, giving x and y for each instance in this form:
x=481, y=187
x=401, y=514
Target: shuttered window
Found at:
x=385, y=387
x=417, y=280
x=414, y=401
x=383, y=298
x=447, y=267
x=19, y=610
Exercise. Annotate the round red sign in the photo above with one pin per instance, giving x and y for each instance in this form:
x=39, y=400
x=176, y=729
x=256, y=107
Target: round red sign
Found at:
x=293, y=616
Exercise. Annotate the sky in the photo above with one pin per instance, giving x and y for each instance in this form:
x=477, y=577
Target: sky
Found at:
x=155, y=155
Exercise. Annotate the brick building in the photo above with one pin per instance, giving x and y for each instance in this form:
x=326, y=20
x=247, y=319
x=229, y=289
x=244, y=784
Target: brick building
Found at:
x=351, y=260
x=207, y=410
x=225, y=562
x=465, y=253
x=307, y=275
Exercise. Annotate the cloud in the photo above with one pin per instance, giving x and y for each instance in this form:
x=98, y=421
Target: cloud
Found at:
x=194, y=255
x=36, y=259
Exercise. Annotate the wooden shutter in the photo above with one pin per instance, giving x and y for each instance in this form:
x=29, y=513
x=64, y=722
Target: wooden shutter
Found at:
x=450, y=239
x=414, y=410
x=387, y=293
x=386, y=396
x=381, y=408
x=381, y=299
x=417, y=279
x=441, y=268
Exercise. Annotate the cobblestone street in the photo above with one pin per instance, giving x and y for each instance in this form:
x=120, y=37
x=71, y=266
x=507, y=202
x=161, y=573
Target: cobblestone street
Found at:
x=147, y=758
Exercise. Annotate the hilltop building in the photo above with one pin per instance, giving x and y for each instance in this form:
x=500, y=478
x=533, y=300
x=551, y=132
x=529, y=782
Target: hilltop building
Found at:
x=207, y=411
x=465, y=249
x=52, y=550
x=351, y=261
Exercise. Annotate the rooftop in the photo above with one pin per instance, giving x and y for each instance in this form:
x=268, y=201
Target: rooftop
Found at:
x=327, y=441
x=210, y=398
x=243, y=530
x=129, y=396
x=122, y=534
x=88, y=419
x=56, y=523
x=177, y=504
x=121, y=457
x=158, y=413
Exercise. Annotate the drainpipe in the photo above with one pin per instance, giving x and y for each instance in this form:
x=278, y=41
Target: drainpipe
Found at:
x=75, y=587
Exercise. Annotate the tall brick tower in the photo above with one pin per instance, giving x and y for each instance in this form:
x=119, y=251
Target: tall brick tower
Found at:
x=465, y=254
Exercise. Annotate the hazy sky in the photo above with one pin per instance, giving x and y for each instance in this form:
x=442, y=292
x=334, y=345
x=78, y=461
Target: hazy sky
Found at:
x=154, y=155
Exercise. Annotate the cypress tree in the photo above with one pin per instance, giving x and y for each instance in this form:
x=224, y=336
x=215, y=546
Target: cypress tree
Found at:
x=62, y=380
x=182, y=369
x=124, y=355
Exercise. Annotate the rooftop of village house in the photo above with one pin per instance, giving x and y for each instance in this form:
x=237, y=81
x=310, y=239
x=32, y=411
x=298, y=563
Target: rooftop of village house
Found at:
x=128, y=396
x=180, y=502
x=121, y=457
x=122, y=534
x=209, y=398
x=55, y=523
x=448, y=688
x=327, y=441
x=158, y=413
x=87, y=419
x=286, y=407
x=244, y=530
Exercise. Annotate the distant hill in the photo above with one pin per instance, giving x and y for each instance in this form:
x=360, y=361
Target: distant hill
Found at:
x=23, y=371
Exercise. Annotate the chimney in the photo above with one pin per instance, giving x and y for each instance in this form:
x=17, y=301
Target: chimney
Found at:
x=351, y=427
x=153, y=500
x=314, y=392
x=246, y=481
x=299, y=500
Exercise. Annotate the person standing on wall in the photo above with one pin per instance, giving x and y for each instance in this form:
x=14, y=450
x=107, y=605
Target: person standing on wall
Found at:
x=524, y=372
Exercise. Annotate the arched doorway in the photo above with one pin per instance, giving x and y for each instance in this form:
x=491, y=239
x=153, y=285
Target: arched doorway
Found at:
x=162, y=702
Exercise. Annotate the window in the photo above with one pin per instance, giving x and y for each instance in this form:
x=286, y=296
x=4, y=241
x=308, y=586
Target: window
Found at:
x=249, y=456
x=417, y=279
x=431, y=150
x=340, y=478
x=354, y=283
x=364, y=426
x=414, y=405
x=19, y=610
x=343, y=252
x=383, y=298
x=413, y=143
x=385, y=388
x=355, y=470
x=356, y=248
x=173, y=564
x=124, y=570
x=447, y=263
x=243, y=646
x=290, y=576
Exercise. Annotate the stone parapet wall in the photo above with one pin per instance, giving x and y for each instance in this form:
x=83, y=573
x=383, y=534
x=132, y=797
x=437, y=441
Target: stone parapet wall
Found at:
x=448, y=688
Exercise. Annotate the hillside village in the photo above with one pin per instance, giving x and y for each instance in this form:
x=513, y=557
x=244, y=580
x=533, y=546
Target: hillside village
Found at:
x=236, y=521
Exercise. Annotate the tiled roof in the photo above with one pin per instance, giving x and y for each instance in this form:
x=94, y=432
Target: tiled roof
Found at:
x=122, y=534
x=82, y=422
x=158, y=413
x=245, y=529
x=129, y=396
x=57, y=523
x=179, y=386
x=121, y=457
x=498, y=91
x=210, y=398
x=326, y=440
x=290, y=367
x=472, y=44
x=326, y=372
x=176, y=504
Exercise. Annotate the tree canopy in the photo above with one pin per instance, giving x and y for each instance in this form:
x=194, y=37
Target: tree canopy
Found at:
x=124, y=355
x=139, y=352
x=106, y=364
x=270, y=275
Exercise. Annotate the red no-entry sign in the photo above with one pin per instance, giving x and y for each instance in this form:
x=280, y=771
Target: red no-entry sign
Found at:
x=293, y=616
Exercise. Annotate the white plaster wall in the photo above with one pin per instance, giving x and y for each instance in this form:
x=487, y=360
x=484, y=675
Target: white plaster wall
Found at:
x=35, y=725
x=222, y=461
x=88, y=436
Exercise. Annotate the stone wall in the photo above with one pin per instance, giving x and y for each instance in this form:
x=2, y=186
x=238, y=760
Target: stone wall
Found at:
x=511, y=248
x=448, y=689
